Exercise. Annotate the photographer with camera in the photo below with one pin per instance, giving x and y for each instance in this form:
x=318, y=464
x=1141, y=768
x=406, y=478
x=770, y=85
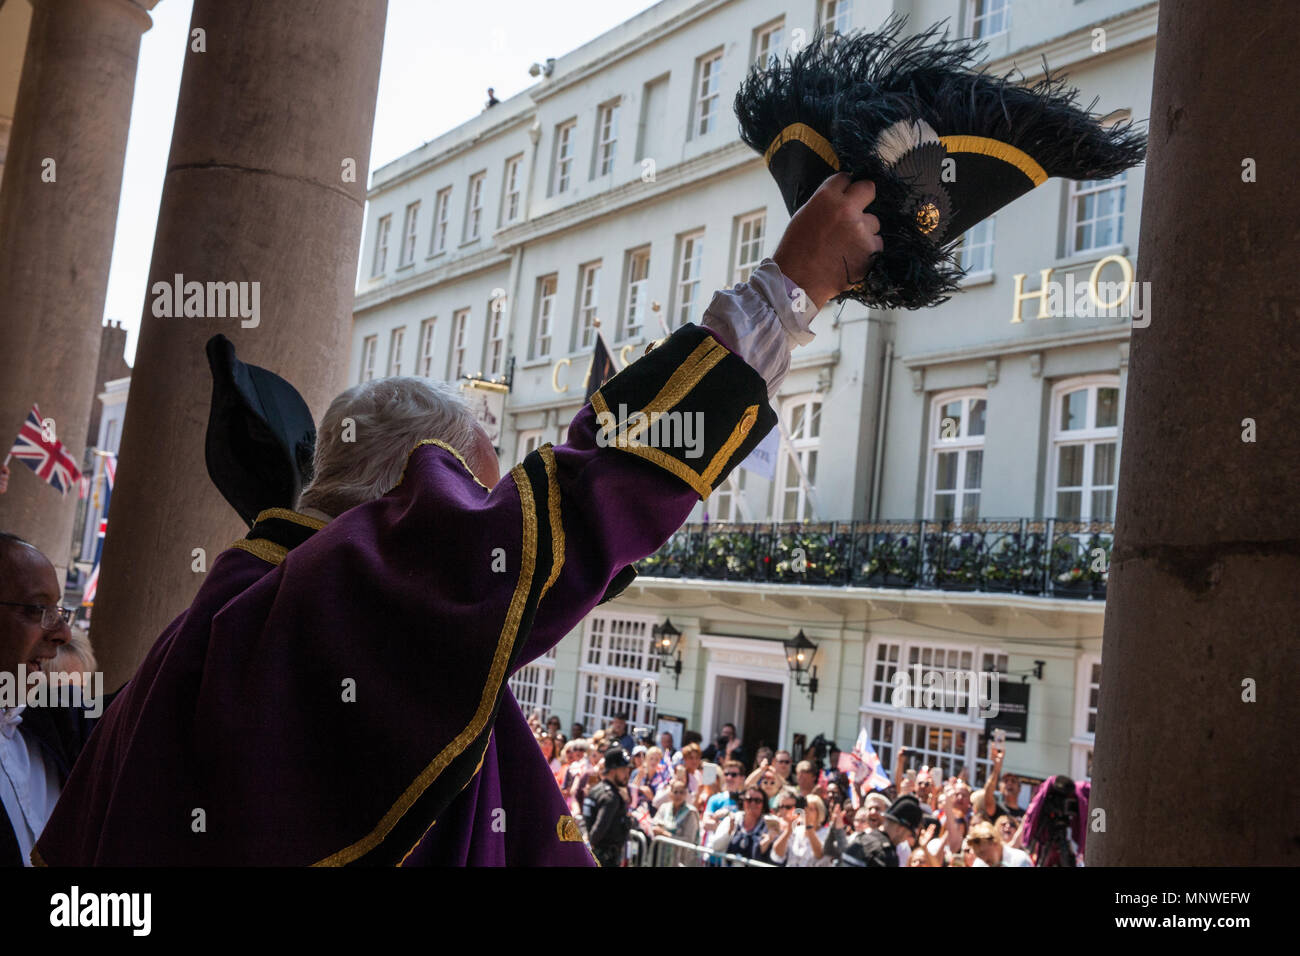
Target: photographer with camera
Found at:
x=1054, y=830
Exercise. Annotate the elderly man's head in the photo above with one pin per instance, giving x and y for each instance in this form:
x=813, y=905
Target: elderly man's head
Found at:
x=32, y=629
x=363, y=459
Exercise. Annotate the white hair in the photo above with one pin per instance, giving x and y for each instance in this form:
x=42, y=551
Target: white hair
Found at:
x=369, y=431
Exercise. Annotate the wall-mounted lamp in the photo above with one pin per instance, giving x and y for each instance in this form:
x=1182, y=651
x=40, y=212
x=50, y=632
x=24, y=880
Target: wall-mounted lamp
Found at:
x=799, y=653
x=667, y=644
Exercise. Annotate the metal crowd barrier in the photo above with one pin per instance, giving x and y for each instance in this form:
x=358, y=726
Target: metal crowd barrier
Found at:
x=634, y=851
x=665, y=851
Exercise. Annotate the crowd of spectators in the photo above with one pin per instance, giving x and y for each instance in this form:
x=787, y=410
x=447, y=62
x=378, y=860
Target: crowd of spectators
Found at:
x=784, y=812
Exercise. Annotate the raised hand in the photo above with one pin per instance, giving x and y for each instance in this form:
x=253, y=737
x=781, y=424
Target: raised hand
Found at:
x=828, y=244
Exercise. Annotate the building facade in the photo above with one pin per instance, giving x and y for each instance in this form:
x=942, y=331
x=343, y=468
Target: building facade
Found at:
x=945, y=480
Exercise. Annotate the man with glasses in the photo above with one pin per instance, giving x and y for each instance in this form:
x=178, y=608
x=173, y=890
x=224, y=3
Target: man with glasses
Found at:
x=38, y=745
x=727, y=800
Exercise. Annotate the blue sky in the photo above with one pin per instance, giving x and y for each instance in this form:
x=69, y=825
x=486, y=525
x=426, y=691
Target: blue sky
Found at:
x=439, y=59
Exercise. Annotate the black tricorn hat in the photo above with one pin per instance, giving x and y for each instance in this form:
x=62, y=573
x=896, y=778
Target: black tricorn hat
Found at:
x=261, y=436
x=946, y=143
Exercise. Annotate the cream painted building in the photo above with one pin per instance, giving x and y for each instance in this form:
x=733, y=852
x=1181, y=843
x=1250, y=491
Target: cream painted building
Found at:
x=945, y=479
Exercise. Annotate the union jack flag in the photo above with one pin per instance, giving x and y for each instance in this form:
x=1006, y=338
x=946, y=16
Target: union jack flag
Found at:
x=863, y=765
x=43, y=456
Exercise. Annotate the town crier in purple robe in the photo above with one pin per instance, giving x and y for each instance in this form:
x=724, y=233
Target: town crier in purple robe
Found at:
x=336, y=692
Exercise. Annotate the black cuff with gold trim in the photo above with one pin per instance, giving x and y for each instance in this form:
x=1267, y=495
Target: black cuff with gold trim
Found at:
x=690, y=406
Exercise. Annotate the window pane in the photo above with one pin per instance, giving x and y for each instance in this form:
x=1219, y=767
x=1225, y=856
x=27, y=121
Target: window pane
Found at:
x=1103, y=464
x=945, y=478
x=950, y=420
x=796, y=422
x=1103, y=505
x=791, y=512
x=1067, y=505
x=810, y=467
x=977, y=410
x=1074, y=410
x=1107, y=407
x=1069, y=469
x=815, y=420
x=970, y=506
x=974, y=468
x=943, y=506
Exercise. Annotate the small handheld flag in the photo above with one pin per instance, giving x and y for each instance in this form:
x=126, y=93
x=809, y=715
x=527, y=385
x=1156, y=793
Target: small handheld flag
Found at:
x=862, y=763
x=45, y=455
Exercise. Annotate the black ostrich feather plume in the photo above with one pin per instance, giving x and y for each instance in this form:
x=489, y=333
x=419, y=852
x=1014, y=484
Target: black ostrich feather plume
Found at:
x=826, y=106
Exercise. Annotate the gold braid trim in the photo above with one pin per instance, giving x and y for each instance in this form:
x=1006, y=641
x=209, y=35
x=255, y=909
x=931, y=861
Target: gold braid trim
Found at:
x=496, y=675
x=663, y=460
x=441, y=444
x=482, y=757
x=268, y=551
x=698, y=364
x=286, y=515
x=998, y=150
x=803, y=133
x=557, y=525
x=729, y=447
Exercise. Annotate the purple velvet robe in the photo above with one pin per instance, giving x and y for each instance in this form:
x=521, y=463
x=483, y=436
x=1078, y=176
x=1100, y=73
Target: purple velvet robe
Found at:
x=342, y=699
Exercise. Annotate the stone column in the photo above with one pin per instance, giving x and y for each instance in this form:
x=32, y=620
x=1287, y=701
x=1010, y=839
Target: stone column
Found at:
x=265, y=186
x=1196, y=742
x=58, y=213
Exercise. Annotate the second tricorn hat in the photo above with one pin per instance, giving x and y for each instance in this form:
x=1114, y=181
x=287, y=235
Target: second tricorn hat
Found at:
x=260, y=438
x=946, y=144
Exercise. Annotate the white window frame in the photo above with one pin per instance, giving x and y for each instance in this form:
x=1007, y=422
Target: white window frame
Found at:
x=1089, y=436
x=607, y=137
x=534, y=685
x=749, y=240
x=690, y=261
x=608, y=642
x=963, y=444
x=409, y=228
x=799, y=446
x=1084, y=740
x=546, y=286
x=529, y=441
x=979, y=13
x=976, y=248
x=396, y=339
x=636, y=295
x=369, y=346
x=424, y=358
x=837, y=16
x=726, y=504
x=1079, y=193
x=380, y=263
x=564, y=143
x=982, y=658
x=459, y=335
x=769, y=43
x=588, y=303
x=496, y=338
x=510, y=190
x=708, y=94
x=474, y=207
x=441, y=215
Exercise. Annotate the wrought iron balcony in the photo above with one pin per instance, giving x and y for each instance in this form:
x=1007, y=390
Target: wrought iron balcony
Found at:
x=1046, y=556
